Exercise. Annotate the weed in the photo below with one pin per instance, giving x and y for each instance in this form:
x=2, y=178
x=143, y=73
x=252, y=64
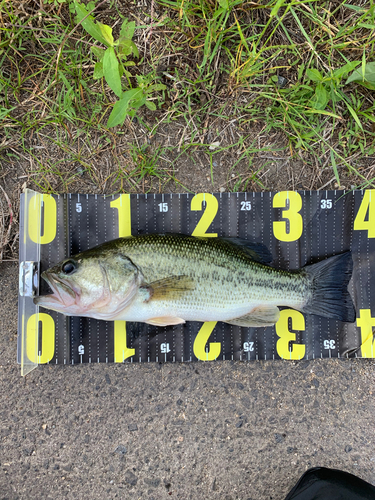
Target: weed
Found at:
x=296, y=75
x=113, y=62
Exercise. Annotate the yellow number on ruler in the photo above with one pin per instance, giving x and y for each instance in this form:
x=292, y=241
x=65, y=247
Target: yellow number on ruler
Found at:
x=367, y=324
x=204, y=223
x=122, y=203
x=201, y=340
x=37, y=234
x=47, y=349
x=291, y=213
x=367, y=205
x=122, y=351
x=209, y=213
x=282, y=345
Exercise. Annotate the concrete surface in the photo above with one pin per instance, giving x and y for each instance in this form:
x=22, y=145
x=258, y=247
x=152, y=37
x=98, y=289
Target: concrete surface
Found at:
x=222, y=430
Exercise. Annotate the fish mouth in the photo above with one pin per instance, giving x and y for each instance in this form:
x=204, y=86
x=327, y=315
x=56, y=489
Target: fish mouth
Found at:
x=62, y=293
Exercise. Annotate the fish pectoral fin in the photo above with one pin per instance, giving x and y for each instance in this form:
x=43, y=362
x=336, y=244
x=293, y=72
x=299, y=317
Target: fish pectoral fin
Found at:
x=165, y=321
x=259, y=317
x=170, y=288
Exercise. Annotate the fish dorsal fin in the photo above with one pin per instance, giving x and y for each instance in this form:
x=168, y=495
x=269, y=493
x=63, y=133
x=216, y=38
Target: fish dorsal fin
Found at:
x=165, y=321
x=256, y=251
x=258, y=317
x=170, y=288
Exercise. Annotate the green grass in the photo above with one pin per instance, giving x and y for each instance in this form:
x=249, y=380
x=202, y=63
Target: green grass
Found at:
x=216, y=68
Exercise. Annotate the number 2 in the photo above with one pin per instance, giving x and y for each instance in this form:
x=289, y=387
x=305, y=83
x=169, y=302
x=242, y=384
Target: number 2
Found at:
x=209, y=213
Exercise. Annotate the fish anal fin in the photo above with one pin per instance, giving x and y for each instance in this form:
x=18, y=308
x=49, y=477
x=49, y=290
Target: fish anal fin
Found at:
x=259, y=317
x=165, y=321
x=170, y=288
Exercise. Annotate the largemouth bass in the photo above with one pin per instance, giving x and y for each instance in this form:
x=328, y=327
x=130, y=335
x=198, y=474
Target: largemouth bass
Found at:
x=169, y=279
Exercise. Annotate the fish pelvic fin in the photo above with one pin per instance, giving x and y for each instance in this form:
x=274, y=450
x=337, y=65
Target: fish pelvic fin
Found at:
x=329, y=296
x=165, y=321
x=259, y=317
x=170, y=288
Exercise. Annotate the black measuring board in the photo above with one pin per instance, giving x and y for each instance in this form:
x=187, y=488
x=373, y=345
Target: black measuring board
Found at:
x=299, y=228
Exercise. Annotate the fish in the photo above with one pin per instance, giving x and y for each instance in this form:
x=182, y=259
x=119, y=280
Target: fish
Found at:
x=168, y=279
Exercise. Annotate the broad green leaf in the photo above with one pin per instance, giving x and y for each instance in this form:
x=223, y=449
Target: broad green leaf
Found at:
x=129, y=63
x=124, y=47
x=367, y=79
x=156, y=87
x=135, y=50
x=314, y=75
x=88, y=24
x=150, y=105
x=106, y=32
x=98, y=71
x=98, y=52
x=321, y=97
x=347, y=68
x=121, y=108
x=224, y=4
x=111, y=72
x=138, y=102
x=127, y=29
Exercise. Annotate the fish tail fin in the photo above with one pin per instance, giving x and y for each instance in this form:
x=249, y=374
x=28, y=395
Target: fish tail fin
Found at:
x=329, y=286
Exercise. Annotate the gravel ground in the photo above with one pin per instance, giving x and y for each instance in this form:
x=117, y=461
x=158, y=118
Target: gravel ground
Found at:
x=222, y=430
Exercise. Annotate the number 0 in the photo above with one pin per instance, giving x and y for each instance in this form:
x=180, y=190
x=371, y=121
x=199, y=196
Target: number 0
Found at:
x=37, y=233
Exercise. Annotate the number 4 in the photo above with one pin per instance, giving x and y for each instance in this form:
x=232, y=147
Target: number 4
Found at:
x=367, y=207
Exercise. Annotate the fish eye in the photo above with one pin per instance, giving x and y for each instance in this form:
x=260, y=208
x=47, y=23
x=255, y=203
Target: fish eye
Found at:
x=68, y=267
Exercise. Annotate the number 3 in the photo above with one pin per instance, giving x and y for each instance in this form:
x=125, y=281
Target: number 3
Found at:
x=292, y=204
